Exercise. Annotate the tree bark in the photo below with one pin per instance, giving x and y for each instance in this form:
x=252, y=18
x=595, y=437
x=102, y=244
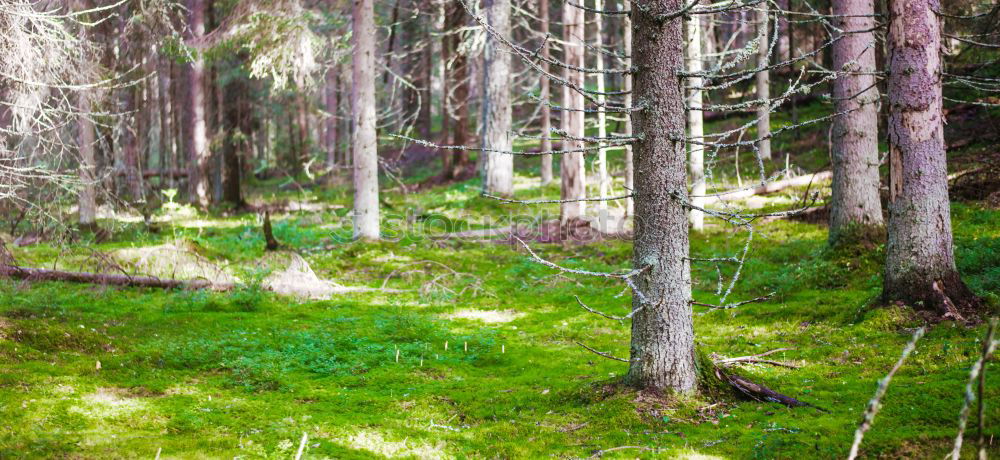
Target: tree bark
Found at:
x=696, y=123
x=332, y=102
x=855, y=208
x=571, y=168
x=196, y=131
x=662, y=350
x=627, y=87
x=168, y=158
x=544, y=94
x=86, y=140
x=920, y=262
x=459, y=80
x=236, y=123
x=499, y=167
x=763, y=86
x=366, y=205
x=603, y=180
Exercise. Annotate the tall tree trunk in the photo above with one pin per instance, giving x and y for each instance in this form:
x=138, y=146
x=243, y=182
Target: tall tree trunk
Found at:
x=662, y=351
x=855, y=209
x=603, y=181
x=920, y=262
x=627, y=87
x=763, y=85
x=446, y=53
x=196, y=139
x=132, y=144
x=332, y=103
x=572, y=167
x=366, y=206
x=544, y=93
x=696, y=122
x=499, y=170
x=167, y=151
x=86, y=140
x=460, y=82
x=425, y=118
x=236, y=121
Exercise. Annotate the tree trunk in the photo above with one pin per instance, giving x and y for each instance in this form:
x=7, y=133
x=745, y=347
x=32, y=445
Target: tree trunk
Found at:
x=603, y=181
x=544, y=94
x=236, y=121
x=696, y=123
x=627, y=87
x=366, y=206
x=460, y=82
x=132, y=144
x=168, y=153
x=662, y=351
x=763, y=86
x=499, y=171
x=855, y=208
x=920, y=263
x=86, y=140
x=571, y=168
x=196, y=133
x=332, y=102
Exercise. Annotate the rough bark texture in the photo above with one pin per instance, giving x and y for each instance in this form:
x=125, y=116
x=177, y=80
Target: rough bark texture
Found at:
x=196, y=141
x=499, y=167
x=571, y=168
x=696, y=122
x=763, y=86
x=662, y=351
x=855, y=209
x=544, y=93
x=86, y=140
x=627, y=87
x=920, y=263
x=366, y=206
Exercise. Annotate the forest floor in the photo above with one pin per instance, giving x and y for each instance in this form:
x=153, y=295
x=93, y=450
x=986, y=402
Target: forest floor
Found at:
x=475, y=355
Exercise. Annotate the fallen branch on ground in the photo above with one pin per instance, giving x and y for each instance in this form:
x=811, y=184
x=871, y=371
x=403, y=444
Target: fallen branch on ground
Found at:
x=757, y=359
x=771, y=187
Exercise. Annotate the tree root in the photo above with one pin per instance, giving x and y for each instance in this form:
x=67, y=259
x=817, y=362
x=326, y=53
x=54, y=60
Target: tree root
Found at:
x=758, y=392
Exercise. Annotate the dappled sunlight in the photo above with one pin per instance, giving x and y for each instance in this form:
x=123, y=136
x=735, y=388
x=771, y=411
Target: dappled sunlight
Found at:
x=376, y=443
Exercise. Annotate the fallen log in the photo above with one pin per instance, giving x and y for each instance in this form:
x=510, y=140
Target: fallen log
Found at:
x=112, y=279
x=771, y=187
x=42, y=274
x=758, y=392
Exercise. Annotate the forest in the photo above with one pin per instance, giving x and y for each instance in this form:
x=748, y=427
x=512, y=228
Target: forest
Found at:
x=305, y=229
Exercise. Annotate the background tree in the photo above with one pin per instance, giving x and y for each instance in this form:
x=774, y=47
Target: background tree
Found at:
x=855, y=207
x=499, y=167
x=366, y=204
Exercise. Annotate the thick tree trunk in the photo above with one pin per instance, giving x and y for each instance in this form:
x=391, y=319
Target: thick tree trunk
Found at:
x=366, y=206
x=662, y=351
x=696, y=123
x=627, y=87
x=499, y=171
x=544, y=94
x=571, y=168
x=603, y=180
x=196, y=140
x=86, y=140
x=920, y=263
x=763, y=85
x=855, y=209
